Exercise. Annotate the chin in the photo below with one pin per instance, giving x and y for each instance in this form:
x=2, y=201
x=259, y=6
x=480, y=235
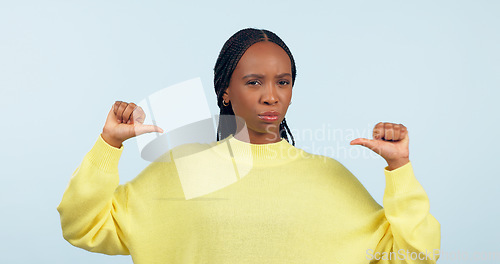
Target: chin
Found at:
x=268, y=128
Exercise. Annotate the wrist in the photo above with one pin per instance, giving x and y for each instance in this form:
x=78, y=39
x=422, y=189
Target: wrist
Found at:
x=111, y=141
x=397, y=163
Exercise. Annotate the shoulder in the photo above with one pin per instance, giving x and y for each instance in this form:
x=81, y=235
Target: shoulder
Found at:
x=325, y=165
x=321, y=161
x=336, y=176
x=183, y=150
x=165, y=168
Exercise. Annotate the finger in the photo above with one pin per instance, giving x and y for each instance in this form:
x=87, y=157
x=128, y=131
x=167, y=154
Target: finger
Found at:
x=138, y=115
x=115, y=107
x=378, y=131
x=119, y=111
x=369, y=143
x=389, y=132
x=127, y=113
x=404, y=131
x=142, y=129
x=111, y=118
x=397, y=132
x=356, y=141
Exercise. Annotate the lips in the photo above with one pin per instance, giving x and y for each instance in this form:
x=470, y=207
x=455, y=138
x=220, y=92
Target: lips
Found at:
x=269, y=116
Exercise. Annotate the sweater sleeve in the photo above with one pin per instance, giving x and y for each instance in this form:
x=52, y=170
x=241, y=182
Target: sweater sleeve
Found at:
x=93, y=210
x=413, y=234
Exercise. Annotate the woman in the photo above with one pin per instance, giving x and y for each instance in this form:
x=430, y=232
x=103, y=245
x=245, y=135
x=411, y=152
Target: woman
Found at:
x=284, y=205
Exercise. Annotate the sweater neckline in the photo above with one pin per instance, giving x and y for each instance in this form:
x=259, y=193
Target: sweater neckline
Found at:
x=257, y=154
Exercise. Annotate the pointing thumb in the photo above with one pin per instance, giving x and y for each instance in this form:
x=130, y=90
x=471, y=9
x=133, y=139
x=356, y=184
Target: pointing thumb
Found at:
x=142, y=129
x=369, y=143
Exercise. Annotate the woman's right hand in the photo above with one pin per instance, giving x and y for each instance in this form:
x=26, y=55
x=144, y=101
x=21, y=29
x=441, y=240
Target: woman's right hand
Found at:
x=124, y=121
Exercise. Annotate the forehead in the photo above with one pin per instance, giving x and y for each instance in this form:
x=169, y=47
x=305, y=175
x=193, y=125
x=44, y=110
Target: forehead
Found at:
x=264, y=55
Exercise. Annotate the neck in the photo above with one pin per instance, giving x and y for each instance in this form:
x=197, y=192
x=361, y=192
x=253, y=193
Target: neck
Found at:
x=244, y=153
x=249, y=136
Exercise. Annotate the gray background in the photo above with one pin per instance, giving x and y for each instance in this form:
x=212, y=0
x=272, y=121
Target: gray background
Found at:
x=430, y=65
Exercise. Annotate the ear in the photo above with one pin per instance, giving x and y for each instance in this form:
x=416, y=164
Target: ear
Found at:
x=225, y=95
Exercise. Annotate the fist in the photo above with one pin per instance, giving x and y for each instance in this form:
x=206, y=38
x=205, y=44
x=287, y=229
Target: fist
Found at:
x=389, y=141
x=124, y=121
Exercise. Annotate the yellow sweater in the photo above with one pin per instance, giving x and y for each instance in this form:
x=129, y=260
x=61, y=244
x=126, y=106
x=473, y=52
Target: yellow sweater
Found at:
x=234, y=202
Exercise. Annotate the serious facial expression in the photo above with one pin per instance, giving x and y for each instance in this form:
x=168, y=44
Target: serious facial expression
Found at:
x=260, y=88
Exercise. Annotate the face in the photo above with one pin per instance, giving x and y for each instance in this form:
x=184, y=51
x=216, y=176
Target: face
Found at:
x=260, y=89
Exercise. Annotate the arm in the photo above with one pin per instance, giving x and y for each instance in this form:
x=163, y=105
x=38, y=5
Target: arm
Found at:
x=93, y=209
x=413, y=234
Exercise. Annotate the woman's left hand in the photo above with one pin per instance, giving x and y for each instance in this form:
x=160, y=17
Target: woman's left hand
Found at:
x=389, y=141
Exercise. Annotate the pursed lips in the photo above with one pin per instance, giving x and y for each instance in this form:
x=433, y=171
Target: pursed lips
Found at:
x=269, y=116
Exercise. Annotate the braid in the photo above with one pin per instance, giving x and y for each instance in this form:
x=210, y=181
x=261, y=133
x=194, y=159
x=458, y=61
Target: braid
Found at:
x=229, y=56
x=284, y=129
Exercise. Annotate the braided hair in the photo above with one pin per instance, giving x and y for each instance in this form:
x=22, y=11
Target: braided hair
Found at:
x=229, y=56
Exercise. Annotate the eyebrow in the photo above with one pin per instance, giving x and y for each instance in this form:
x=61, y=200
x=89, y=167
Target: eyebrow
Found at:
x=262, y=76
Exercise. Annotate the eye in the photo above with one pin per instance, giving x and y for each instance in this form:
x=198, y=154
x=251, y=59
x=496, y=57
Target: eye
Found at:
x=253, y=82
x=284, y=82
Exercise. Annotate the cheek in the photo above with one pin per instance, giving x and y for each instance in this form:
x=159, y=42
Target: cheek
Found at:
x=286, y=95
x=287, y=99
x=244, y=104
x=241, y=107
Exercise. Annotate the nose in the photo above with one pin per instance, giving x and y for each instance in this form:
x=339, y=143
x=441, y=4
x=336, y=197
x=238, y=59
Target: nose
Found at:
x=269, y=94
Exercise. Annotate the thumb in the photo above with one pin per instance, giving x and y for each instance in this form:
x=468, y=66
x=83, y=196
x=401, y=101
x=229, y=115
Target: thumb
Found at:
x=142, y=129
x=369, y=143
